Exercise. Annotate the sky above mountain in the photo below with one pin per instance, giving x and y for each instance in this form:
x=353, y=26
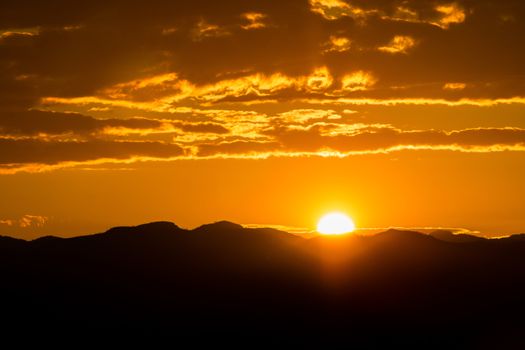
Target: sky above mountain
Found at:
x=400, y=113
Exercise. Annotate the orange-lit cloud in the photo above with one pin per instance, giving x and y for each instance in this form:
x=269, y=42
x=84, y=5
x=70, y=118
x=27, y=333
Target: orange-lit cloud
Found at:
x=444, y=15
x=302, y=116
x=11, y=32
x=45, y=125
x=398, y=44
x=203, y=30
x=51, y=152
x=286, y=79
x=320, y=139
x=174, y=45
x=387, y=139
x=337, y=44
x=25, y=221
x=416, y=101
x=254, y=20
x=319, y=80
x=335, y=9
x=169, y=92
x=454, y=86
x=357, y=81
x=450, y=14
x=161, y=92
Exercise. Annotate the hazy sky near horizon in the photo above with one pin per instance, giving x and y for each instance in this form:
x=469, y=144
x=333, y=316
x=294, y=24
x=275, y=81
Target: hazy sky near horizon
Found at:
x=399, y=112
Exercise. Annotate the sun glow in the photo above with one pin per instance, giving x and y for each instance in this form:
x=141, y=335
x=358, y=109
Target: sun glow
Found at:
x=335, y=224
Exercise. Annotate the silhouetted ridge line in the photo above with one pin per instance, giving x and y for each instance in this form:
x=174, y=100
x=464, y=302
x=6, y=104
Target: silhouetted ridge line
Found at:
x=449, y=236
x=516, y=237
x=393, y=234
x=158, y=226
x=222, y=277
x=219, y=226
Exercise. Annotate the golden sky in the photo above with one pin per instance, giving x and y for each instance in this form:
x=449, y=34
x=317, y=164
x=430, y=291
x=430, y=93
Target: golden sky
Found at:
x=400, y=113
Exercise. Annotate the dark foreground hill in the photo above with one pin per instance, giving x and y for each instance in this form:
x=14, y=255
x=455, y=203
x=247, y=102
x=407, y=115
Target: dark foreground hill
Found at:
x=397, y=287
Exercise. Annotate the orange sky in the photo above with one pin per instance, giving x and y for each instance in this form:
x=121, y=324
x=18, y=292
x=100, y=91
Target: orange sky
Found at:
x=400, y=113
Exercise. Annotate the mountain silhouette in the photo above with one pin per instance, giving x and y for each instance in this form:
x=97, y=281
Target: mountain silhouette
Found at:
x=395, y=287
x=449, y=236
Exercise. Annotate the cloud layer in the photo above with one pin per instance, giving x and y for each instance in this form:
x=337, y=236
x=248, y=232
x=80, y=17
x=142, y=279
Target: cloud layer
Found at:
x=108, y=81
x=39, y=140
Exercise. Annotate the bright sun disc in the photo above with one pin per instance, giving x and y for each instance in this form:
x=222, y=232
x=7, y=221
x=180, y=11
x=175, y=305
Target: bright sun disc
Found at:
x=335, y=224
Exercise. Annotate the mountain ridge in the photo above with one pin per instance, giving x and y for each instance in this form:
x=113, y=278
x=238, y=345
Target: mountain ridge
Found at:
x=222, y=277
x=222, y=225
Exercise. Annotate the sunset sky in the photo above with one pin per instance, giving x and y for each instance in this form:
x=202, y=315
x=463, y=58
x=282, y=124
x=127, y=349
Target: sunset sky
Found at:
x=400, y=113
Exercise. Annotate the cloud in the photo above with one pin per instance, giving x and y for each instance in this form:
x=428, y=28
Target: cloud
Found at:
x=212, y=128
x=336, y=9
x=441, y=16
x=239, y=148
x=319, y=80
x=337, y=44
x=454, y=86
x=32, y=221
x=316, y=141
x=479, y=102
x=451, y=14
x=357, y=81
x=25, y=221
x=161, y=93
x=254, y=20
x=298, y=132
x=303, y=116
x=34, y=123
x=176, y=40
x=13, y=152
x=398, y=44
x=164, y=80
x=147, y=88
x=204, y=30
x=7, y=222
x=67, y=126
x=388, y=139
x=6, y=33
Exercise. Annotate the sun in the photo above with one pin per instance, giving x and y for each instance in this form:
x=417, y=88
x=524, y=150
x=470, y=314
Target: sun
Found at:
x=335, y=224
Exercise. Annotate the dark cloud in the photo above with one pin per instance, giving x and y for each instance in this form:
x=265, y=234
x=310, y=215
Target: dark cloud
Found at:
x=82, y=48
x=201, y=127
x=54, y=123
x=313, y=139
x=54, y=152
x=169, y=66
x=251, y=148
x=34, y=123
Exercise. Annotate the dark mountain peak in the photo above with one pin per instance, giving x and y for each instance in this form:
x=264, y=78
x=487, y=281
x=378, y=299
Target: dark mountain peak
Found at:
x=516, y=237
x=442, y=232
x=158, y=226
x=395, y=236
x=394, y=232
x=47, y=239
x=10, y=245
x=226, y=277
x=152, y=227
x=449, y=236
x=10, y=239
x=6, y=241
x=219, y=226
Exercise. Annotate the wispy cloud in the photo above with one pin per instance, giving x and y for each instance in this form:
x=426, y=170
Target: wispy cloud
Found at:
x=254, y=20
x=399, y=44
x=25, y=221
